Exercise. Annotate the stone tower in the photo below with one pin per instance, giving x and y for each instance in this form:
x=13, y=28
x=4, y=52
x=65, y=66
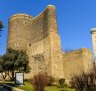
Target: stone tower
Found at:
x=39, y=37
x=93, y=33
x=19, y=31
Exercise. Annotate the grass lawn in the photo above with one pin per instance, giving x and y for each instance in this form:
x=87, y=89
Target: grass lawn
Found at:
x=26, y=87
x=53, y=88
x=29, y=87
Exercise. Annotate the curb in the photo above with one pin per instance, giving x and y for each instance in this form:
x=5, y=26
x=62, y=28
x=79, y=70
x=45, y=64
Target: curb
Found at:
x=12, y=88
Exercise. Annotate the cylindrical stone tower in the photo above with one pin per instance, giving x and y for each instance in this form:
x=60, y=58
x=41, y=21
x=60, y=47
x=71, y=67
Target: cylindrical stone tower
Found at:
x=19, y=31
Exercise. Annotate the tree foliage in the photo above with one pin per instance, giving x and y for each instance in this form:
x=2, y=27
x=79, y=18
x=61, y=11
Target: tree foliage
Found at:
x=1, y=63
x=1, y=26
x=14, y=61
x=62, y=84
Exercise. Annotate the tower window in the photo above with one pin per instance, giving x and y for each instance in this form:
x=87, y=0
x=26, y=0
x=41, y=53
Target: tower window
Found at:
x=30, y=45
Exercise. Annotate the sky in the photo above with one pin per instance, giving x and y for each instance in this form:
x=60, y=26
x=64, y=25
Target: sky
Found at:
x=75, y=18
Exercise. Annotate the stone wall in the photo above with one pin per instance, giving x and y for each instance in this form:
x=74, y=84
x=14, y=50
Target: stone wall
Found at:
x=39, y=57
x=76, y=62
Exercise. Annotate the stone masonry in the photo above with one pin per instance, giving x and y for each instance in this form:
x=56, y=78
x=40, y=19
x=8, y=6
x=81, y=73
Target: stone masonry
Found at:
x=39, y=37
x=76, y=62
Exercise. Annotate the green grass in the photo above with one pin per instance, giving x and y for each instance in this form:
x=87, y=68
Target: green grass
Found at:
x=53, y=88
x=29, y=87
x=11, y=83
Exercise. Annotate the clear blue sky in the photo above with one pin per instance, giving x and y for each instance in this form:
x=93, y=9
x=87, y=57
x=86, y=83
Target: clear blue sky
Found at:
x=75, y=19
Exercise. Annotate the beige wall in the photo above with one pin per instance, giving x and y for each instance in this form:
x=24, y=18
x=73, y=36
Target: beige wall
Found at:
x=76, y=62
x=41, y=49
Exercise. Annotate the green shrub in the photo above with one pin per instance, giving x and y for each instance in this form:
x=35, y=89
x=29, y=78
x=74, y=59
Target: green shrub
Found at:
x=62, y=84
x=50, y=80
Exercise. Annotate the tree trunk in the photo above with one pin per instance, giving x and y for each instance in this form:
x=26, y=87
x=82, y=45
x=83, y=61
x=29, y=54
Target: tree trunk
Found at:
x=12, y=75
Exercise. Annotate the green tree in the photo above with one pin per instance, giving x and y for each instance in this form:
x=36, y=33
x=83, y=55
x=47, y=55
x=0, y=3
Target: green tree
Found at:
x=14, y=61
x=1, y=26
x=1, y=63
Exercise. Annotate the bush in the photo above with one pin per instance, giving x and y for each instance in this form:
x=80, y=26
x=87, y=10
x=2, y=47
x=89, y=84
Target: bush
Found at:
x=62, y=84
x=50, y=80
x=40, y=81
x=84, y=82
